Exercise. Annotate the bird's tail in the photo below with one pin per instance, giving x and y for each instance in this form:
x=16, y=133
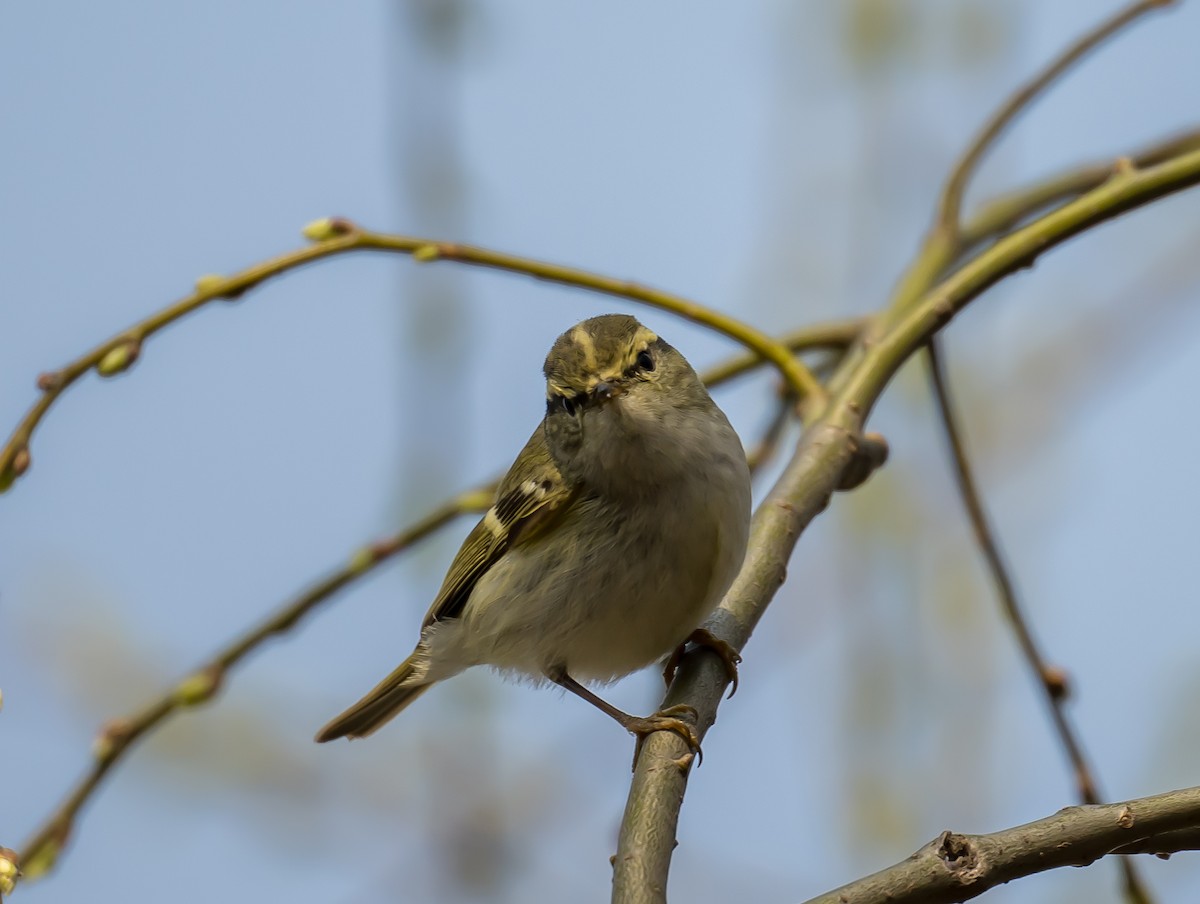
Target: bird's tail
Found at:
x=384, y=701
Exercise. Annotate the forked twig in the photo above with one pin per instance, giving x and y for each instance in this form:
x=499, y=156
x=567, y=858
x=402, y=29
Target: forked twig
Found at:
x=39, y=854
x=950, y=203
x=337, y=236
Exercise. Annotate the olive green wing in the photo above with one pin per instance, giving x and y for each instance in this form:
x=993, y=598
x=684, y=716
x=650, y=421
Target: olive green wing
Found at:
x=530, y=498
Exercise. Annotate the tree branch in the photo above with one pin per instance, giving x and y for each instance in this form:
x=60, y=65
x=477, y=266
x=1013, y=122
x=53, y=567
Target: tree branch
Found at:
x=954, y=867
x=1051, y=679
x=1000, y=214
x=652, y=811
x=335, y=237
x=40, y=853
x=950, y=203
x=903, y=330
x=945, y=242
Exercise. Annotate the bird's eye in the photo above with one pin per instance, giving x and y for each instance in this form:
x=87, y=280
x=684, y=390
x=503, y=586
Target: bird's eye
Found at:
x=559, y=403
x=644, y=361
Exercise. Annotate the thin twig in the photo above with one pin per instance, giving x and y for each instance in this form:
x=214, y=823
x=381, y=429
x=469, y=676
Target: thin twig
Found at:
x=1051, y=679
x=335, y=237
x=1000, y=214
x=905, y=328
x=798, y=377
x=834, y=335
x=955, y=867
x=647, y=838
x=39, y=853
x=944, y=243
x=950, y=203
x=768, y=444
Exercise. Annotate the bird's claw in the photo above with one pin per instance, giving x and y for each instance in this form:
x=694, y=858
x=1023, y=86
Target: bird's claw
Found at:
x=668, y=719
x=702, y=637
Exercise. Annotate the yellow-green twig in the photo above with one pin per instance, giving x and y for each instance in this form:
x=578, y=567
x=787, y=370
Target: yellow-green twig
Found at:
x=641, y=865
x=38, y=854
x=904, y=329
x=1003, y=213
x=334, y=237
x=950, y=202
x=948, y=240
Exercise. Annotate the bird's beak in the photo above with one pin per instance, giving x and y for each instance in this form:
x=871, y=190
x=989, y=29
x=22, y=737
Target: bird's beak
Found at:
x=604, y=391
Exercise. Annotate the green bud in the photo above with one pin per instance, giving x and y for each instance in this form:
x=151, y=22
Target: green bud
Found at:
x=8, y=872
x=14, y=467
x=210, y=284
x=197, y=688
x=426, y=253
x=117, y=360
x=102, y=746
x=327, y=228
x=362, y=560
x=319, y=230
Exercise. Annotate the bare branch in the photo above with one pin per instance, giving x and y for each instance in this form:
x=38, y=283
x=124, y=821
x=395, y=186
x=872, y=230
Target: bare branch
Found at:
x=905, y=328
x=39, y=853
x=338, y=236
x=826, y=449
x=768, y=444
x=1051, y=679
x=954, y=867
x=1001, y=214
x=950, y=203
x=944, y=243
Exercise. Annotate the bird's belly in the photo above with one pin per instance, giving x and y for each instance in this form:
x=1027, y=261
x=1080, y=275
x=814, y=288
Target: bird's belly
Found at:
x=644, y=585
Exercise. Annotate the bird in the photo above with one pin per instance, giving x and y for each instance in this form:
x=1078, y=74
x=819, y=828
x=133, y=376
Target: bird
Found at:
x=614, y=534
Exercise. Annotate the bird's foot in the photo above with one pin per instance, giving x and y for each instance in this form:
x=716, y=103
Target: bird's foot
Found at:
x=701, y=637
x=680, y=719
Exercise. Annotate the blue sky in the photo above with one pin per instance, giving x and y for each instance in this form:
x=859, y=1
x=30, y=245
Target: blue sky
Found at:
x=747, y=158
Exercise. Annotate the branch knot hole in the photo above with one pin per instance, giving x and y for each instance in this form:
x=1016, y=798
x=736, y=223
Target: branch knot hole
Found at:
x=961, y=856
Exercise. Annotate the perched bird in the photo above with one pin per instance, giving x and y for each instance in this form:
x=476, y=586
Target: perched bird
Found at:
x=613, y=535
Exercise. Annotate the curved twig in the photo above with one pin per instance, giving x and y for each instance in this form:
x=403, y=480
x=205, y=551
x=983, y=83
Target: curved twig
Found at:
x=1000, y=214
x=39, y=854
x=905, y=329
x=647, y=834
x=945, y=243
x=950, y=203
x=335, y=237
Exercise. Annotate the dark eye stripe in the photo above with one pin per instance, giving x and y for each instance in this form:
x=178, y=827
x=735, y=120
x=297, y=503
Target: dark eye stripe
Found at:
x=560, y=403
x=643, y=363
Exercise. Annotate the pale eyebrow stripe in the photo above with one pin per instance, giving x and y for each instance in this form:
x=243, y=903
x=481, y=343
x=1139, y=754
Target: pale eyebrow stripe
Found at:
x=587, y=345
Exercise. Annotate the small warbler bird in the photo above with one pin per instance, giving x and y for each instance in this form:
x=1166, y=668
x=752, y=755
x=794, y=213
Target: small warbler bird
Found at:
x=613, y=535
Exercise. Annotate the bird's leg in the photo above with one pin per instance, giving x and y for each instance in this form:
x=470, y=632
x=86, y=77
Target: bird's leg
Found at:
x=664, y=720
x=704, y=638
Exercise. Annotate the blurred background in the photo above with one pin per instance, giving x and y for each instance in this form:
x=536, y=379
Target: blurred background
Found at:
x=778, y=160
